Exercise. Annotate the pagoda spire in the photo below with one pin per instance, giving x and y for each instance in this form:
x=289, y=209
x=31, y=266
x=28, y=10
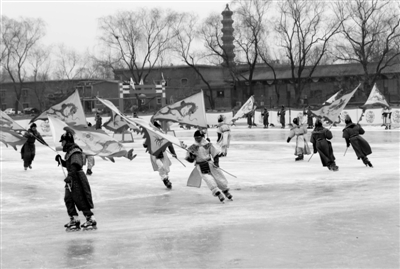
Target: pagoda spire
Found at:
x=227, y=37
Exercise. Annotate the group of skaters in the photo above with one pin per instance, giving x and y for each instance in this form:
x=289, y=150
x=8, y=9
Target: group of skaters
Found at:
x=204, y=154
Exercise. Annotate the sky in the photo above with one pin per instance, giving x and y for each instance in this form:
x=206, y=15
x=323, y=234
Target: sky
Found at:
x=74, y=23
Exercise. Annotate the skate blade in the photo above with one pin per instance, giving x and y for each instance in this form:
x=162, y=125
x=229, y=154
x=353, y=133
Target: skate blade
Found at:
x=72, y=230
x=89, y=229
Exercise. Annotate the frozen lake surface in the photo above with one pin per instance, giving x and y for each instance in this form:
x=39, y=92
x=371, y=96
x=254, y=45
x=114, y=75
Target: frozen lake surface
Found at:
x=284, y=214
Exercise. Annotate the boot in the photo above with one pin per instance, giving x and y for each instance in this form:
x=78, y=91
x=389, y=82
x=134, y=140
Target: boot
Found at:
x=220, y=196
x=89, y=172
x=90, y=224
x=167, y=183
x=227, y=194
x=369, y=164
x=73, y=225
x=300, y=157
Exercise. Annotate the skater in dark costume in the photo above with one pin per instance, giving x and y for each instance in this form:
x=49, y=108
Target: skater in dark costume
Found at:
x=265, y=115
x=309, y=118
x=319, y=139
x=77, y=189
x=28, y=150
x=205, y=157
x=281, y=114
x=351, y=133
x=302, y=148
x=161, y=162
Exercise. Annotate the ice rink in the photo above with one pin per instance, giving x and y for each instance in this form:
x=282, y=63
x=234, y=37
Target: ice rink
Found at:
x=284, y=214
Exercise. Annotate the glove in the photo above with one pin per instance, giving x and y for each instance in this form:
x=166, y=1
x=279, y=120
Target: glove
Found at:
x=288, y=139
x=348, y=144
x=315, y=151
x=68, y=180
x=145, y=146
x=208, y=139
x=58, y=159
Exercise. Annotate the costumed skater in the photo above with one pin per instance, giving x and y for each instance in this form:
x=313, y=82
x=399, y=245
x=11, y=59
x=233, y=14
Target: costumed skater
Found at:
x=386, y=116
x=319, y=139
x=77, y=189
x=299, y=130
x=309, y=118
x=351, y=133
x=224, y=135
x=28, y=150
x=161, y=162
x=203, y=153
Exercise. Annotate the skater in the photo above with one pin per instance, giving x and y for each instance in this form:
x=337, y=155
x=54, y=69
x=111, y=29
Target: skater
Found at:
x=89, y=160
x=28, y=150
x=249, y=116
x=319, y=139
x=302, y=148
x=205, y=156
x=98, y=120
x=161, y=162
x=309, y=118
x=224, y=135
x=265, y=115
x=281, y=114
x=77, y=189
x=351, y=133
x=386, y=116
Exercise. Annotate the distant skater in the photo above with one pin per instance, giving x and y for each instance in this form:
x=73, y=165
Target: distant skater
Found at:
x=265, y=115
x=28, y=150
x=281, y=114
x=224, y=135
x=351, y=133
x=319, y=139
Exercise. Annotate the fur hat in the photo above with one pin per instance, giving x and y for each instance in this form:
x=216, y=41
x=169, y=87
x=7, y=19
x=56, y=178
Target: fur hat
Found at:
x=296, y=121
x=198, y=133
x=33, y=125
x=347, y=119
x=318, y=123
x=68, y=137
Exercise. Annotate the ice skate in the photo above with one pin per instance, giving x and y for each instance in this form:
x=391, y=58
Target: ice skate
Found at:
x=228, y=195
x=220, y=196
x=369, y=164
x=73, y=225
x=167, y=183
x=90, y=224
x=299, y=158
x=30, y=166
x=25, y=168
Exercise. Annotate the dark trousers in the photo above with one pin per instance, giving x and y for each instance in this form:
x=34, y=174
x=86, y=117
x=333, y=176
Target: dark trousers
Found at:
x=71, y=206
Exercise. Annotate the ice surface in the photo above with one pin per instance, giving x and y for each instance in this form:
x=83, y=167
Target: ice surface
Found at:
x=285, y=214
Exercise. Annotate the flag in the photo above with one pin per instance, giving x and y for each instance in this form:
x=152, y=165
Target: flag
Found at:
x=332, y=98
x=117, y=125
x=70, y=111
x=6, y=121
x=155, y=139
x=92, y=142
x=330, y=112
x=246, y=108
x=163, y=81
x=189, y=111
x=8, y=134
x=375, y=99
x=132, y=83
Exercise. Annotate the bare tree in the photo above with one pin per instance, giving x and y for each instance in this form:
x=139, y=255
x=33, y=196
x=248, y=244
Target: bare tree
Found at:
x=68, y=64
x=184, y=47
x=41, y=64
x=371, y=31
x=18, y=38
x=139, y=38
x=305, y=30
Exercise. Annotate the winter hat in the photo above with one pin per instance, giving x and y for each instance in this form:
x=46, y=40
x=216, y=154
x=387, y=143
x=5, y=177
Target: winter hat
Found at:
x=157, y=124
x=296, y=121
x=221, y=118
x=347, y=119
x=198, y=133
x=67, y=137
x=318, y=123
x=33, y=125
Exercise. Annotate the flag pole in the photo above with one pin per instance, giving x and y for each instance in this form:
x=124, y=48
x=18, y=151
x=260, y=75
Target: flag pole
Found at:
x=177, y=159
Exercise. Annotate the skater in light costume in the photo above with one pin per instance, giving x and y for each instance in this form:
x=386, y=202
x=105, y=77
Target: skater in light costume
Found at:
x=224, y=135
x=319, y=139
x=203, y=153
x=77, y=189
x=299, y=130
x=161, y=162
x=351, y=133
